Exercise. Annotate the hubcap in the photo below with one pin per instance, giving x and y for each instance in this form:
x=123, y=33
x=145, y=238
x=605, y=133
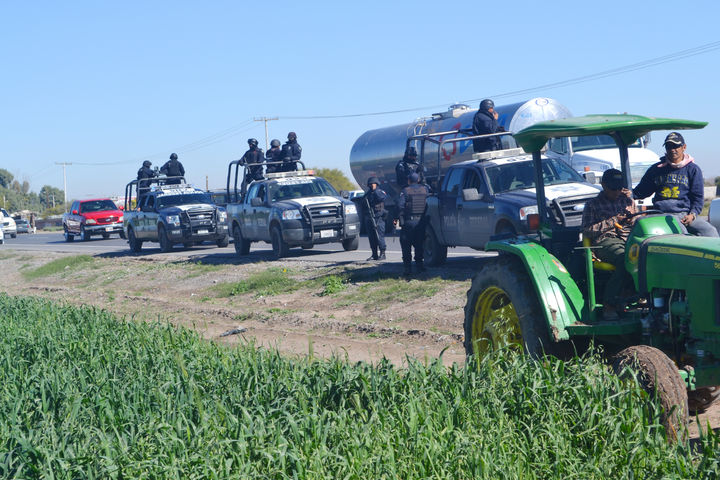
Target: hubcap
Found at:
x=495, y=323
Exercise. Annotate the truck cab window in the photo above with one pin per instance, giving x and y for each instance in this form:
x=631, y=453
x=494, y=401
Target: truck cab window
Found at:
x=473, y=180
x=252, y=193
x=454, y=180
x=557, y=145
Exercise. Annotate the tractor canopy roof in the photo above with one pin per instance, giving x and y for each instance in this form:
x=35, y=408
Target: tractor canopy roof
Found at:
x=628, y=127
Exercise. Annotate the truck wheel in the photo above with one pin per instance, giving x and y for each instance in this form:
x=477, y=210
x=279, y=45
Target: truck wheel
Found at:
x=308, y=246
x=135, y=244
x=502, y=310
x=122, y=234
x=187, y=244
x=165, y=243
x=106, y=236
x=242, y=246
x=435, y=254
x=84, y=235
x=69, y=237
x=351, y=244
x=658, y=376
x=224, y=241
x=280, y=248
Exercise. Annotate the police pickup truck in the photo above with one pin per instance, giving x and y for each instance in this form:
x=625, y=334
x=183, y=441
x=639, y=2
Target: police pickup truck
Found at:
x=289, y=209
x=172, y=213
x=494, y=194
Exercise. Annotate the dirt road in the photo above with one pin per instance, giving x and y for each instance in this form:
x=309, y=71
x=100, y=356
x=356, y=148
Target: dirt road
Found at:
x=359, y=311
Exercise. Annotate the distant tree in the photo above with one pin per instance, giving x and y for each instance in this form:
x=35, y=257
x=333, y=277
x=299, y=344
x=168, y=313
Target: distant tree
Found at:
x=336, y=178
x=15, y=185
x=51, y=196
x=25, y=187
x=6, y=178
x=717, y=181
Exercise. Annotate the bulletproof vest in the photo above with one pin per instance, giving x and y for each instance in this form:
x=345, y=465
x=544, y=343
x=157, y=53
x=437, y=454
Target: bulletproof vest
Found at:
x=375, y=203
x=173, y=169
x=415, y=197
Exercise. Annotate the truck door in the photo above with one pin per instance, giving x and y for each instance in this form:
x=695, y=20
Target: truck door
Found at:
x=142, y=226
x=247, y=214
x=475, y=216
x=448, y=203
x=261, y=214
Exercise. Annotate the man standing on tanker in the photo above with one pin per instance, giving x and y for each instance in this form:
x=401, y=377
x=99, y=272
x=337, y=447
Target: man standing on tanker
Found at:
x=173, y=168
x=411, y=206
x=407, y=166
x=484, y=123
x=677, y=183
x=606, y=221
x=374, y=201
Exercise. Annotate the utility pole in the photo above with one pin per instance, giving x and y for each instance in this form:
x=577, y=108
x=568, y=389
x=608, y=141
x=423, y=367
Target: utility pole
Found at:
x=265, y=119
x=64, y=164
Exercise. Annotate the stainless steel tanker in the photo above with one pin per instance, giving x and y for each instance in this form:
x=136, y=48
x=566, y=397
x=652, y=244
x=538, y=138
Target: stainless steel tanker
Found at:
x=377, y=152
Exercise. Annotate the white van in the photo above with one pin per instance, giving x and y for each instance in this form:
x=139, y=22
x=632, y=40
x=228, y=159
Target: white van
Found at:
x=597, y=153
x=8, y=224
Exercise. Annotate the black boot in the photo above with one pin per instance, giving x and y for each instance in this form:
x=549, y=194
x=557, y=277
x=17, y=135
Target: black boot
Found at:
x=420, y=266
x=382, y=255
x=406, y=269
x=374, y=256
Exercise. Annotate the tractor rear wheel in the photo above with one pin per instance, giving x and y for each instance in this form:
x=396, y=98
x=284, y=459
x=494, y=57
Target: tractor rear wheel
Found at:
x=502, y=310
x=657, y=375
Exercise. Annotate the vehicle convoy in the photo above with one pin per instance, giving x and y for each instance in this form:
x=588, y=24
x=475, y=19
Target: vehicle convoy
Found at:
x=495, y=194
x=8, y=224
x=172, y=212
x=289, y=209
x=86, y=218
x=540, y=292
x=440, y=141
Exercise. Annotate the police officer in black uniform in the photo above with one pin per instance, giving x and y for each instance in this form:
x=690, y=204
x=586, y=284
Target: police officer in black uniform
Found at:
x=375, y=218
x=144, y=176
x=291, y=153
x=173, y=168
x=408, y=165
x=484, y=123
x=274, y=155
x=254, y=159
x=411, y=206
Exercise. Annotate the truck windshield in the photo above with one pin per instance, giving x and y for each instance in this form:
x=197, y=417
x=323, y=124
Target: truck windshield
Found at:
x=594, y=142
x=97, y=206
x=297, y=188
x=187, y=199
x=637, y=170
x=521, y=175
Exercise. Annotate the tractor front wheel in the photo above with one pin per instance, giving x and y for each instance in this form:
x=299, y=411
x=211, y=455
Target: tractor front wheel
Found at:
x=657, y=375
x=502, y=310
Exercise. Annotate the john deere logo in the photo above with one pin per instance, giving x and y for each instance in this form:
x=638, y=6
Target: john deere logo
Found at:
x=634, y=253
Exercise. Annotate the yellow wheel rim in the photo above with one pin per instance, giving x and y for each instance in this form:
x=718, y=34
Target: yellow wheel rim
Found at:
x=495, y=323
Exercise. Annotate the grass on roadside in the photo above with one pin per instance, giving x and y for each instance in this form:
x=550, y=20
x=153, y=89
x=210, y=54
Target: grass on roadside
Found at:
x=59, y=266
x=273, y=281
x=392, y=290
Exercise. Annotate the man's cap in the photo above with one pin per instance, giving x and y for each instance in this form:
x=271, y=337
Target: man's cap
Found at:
x=612, y=179
x=414, y=178
x=675, y=138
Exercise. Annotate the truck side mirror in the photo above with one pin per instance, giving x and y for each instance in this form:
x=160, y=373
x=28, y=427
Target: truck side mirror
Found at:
x=590, y=177
x=471, y=194
x=256, y=202
x=344, y=194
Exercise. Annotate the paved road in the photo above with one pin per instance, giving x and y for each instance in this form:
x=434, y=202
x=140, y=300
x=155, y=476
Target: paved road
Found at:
x=55, y=242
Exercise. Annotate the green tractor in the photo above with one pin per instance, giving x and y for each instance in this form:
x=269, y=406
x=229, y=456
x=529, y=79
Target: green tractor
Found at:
x=539, y=293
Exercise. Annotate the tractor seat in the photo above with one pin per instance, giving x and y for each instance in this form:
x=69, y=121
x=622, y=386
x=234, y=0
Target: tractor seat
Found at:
x=597, y=263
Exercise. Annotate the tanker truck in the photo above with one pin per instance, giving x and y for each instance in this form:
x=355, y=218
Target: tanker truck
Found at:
x=437, y=140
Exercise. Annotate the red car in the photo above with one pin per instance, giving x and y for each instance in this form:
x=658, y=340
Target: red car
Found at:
x=93, y=217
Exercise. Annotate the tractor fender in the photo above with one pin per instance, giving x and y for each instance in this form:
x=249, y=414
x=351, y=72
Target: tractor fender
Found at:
x=561, y=301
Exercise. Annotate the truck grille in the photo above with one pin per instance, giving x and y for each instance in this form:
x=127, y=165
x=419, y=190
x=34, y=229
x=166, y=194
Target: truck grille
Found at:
x=200, y=219
x=105, y=220
x=568, y=211
x=324, y=215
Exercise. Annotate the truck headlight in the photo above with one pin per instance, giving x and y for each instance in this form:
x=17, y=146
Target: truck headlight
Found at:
x=120, y=218
x=222, y=215
x=525, y=211
x=350, y=209
x=173, y=219
x=91, y=221
x=291, y=215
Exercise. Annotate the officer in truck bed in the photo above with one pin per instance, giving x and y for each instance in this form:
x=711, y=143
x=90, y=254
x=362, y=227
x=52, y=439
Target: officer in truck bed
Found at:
x=411, y=206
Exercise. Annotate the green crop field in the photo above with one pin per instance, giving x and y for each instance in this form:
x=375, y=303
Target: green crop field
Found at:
x=84, y=395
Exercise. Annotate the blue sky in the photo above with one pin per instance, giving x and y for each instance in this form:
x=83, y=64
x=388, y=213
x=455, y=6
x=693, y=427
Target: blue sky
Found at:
x=116, y=83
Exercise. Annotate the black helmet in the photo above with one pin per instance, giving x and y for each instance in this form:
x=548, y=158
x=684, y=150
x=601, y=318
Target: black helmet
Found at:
x=147, y=163
x=486, y=105
x=252, y=142
x=411, y=152
x=372, y=180
x=292, y=136
x=173, y=156
x=274, y=142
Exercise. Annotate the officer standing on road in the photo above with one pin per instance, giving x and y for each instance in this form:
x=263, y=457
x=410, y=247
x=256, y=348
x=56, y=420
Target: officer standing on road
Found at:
x=374, y=201
x=411, y=206
x=407, y=166
x=173, y=168
x=274, y=155
x=254, y=159
x=484, y=123
x=144, y=176
x=291, y=153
